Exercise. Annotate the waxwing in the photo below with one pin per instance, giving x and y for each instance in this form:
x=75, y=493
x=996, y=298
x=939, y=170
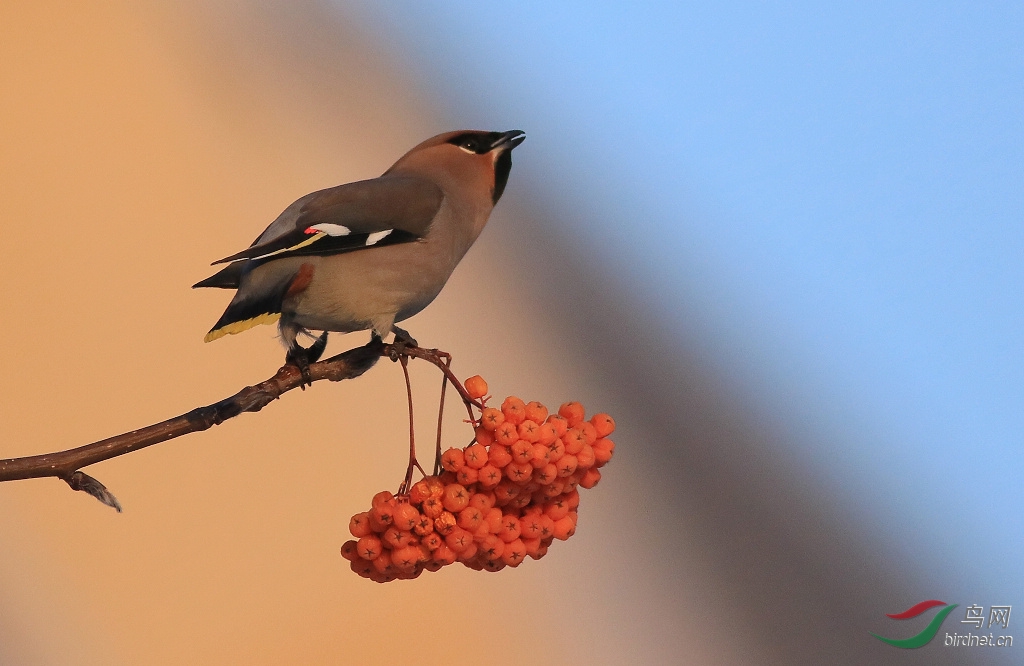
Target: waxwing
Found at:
x=369, y=254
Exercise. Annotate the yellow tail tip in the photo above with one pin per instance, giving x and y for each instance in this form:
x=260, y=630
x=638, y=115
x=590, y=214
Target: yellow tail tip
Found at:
x=236, y=327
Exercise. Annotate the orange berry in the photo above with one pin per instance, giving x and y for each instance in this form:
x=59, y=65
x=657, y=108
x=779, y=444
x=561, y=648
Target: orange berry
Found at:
x=491, y=418
x=539, y=455
x=499, y=455
x=406, y=516
x=444, y=523
x=443, y=554
x=432, y=540
x=589, y=431
x=467, y=476
x=362, y=567
x=470, y=518
x=435, y=485
x=383, y=498
x=532, y=547
x=419, y=492
x=432, y=507
x=574, y=440
x=603, y=424
x=572, y=499
x=531, y=527
x=536, y=412
x=482, y=500
x=491, y=547
x=476, y=456
x=405, y=559
x=603, y=451
x=529, y=431
x=557, y=508
x=572, y=412
x=369, y=547
x=547, y=526
x=510, y=528
x=522, y=451
x=556, y=450
x=520, y=501
x=567, y=465
x=359, y=525
x=546, y=474
x=564, y=528
x=423, y=526
x=559, y=423
x=489, y=476
x=382, y=563
x=396, y=538
x=586, y=457
x=469, y=552
x=514, y=410
x=590, y=478
x=506, y=434
x=546, y=434
x=482, y=530
x=519, y=473
x=514, y=553
x=458, y=539
x=505, y=491
x=476, y=387
x=381, y=518
x=456, y=497
x=493, y=519
x=453, y=460
x=484, y=436
x=348, y=551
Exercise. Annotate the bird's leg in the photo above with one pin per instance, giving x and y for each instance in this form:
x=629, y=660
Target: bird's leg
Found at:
x=302, y=357
x=413, y=463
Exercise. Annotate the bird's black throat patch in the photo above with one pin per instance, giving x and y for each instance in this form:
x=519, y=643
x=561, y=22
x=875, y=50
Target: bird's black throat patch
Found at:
x=502, y=168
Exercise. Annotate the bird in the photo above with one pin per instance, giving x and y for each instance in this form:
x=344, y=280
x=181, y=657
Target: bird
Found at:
x=369, y=254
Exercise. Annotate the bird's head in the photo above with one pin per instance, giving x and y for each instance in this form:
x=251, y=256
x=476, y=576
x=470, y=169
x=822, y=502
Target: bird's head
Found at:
x=472, y=159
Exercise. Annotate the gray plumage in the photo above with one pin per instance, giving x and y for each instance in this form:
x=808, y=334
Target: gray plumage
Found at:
x=369, y=254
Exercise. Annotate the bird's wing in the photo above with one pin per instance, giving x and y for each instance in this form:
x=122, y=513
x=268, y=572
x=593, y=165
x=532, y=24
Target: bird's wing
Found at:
x=356, y=216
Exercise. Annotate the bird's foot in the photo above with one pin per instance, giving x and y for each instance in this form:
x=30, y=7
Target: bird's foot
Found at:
x=302, y=357
x=402, y=340
x=402, y=336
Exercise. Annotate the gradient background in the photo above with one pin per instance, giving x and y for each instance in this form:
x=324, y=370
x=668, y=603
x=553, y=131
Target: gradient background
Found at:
x=782, y=245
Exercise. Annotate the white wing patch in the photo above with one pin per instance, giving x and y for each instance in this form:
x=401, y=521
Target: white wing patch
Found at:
x=377, y=236
x=330, y=229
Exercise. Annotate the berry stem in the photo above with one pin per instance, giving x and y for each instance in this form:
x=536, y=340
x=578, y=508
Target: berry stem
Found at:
x=403, y=489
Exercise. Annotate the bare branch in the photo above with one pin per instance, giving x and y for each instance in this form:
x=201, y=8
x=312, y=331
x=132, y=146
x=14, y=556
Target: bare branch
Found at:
x=348, y=365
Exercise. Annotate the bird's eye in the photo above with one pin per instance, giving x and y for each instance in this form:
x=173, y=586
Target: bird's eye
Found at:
x=468, y=144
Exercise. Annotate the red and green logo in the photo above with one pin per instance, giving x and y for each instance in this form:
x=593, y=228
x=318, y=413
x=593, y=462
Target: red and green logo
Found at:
x=929, y=632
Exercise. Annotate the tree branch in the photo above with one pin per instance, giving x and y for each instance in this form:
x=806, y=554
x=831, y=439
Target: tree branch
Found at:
x=348, y=365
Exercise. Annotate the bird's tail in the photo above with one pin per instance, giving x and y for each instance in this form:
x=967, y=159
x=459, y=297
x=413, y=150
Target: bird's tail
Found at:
x=247, y=310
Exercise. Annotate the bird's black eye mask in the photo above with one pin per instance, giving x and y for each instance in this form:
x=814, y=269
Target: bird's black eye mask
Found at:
x=477, y=142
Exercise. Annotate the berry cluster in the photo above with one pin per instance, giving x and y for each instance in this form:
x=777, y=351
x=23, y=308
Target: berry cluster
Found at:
x=506, y=496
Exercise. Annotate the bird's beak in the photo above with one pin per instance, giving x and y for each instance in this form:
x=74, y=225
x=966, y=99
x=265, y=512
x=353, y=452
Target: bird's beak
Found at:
x=509, y=140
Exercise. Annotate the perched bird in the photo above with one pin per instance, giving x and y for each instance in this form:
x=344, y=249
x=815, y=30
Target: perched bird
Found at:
x=368, y=254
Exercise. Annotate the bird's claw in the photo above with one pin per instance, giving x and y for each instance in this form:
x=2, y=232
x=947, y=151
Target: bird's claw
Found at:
x=302, y=357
